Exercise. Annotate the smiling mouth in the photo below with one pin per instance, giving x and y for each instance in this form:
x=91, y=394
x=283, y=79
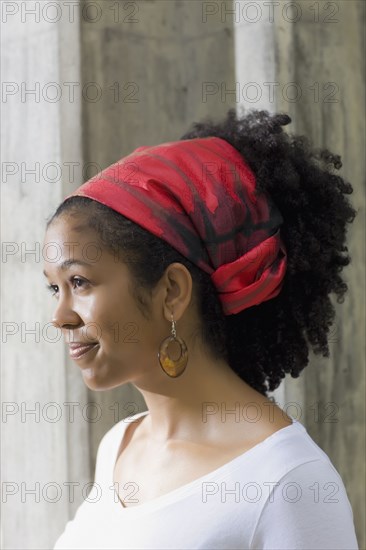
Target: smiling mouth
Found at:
x=82, y=350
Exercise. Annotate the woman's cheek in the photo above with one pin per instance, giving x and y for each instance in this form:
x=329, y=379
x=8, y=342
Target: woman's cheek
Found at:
x=88, y=312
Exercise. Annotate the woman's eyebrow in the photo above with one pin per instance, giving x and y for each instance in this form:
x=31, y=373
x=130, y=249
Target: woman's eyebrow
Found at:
x=68, y=263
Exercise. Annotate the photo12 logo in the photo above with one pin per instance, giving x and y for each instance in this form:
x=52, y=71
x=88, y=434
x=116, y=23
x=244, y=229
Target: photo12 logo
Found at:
x=53, y=92
x=67, y=411
x=252, y=12
x=71, y=11
x=253, y=92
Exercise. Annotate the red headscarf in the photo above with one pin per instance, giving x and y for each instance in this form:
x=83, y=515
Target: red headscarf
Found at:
x=198, y=196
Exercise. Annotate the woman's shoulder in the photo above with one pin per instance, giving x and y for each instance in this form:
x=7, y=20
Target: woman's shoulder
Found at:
x=305, y=492
x=292, y=446
x=288, y=449
x=310, y=498
x=294, y=458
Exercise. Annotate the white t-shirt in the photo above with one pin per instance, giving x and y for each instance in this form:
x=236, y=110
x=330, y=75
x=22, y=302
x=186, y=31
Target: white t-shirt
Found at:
x=283, y=493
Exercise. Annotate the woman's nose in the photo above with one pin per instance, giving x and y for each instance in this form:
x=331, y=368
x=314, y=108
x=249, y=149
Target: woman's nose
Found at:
x=64, y=316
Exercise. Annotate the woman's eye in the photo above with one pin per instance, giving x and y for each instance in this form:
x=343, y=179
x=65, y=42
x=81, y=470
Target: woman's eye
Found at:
x=53, y=289
x=78, y=283
x=75, y=281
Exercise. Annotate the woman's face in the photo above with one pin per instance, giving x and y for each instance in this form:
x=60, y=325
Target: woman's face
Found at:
x=110, y=339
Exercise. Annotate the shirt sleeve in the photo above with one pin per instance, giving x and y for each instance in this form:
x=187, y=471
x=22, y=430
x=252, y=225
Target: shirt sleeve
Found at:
x=308, y=509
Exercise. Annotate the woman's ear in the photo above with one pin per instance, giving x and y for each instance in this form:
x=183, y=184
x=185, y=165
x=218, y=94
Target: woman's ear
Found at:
x=178, y=285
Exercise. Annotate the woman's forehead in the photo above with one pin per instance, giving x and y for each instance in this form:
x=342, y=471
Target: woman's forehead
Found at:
x=70, y=239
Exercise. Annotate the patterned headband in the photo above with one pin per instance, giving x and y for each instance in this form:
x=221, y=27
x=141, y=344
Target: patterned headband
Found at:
x=198, y=195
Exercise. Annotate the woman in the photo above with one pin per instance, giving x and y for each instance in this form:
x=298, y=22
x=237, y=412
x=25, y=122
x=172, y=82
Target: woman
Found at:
x=200, y=271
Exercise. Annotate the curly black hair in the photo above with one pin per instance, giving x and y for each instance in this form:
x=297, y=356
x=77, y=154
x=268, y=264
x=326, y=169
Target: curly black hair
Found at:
x=262, y=343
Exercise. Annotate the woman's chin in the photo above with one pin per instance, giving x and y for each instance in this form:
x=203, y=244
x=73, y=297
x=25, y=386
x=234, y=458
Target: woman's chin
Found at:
x=88, y=374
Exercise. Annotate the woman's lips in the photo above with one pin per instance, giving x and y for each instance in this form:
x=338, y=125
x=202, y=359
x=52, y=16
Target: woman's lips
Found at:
x=79, y=350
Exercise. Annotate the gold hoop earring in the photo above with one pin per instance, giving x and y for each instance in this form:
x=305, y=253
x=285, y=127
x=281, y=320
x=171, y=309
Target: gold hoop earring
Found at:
x=173, y=367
